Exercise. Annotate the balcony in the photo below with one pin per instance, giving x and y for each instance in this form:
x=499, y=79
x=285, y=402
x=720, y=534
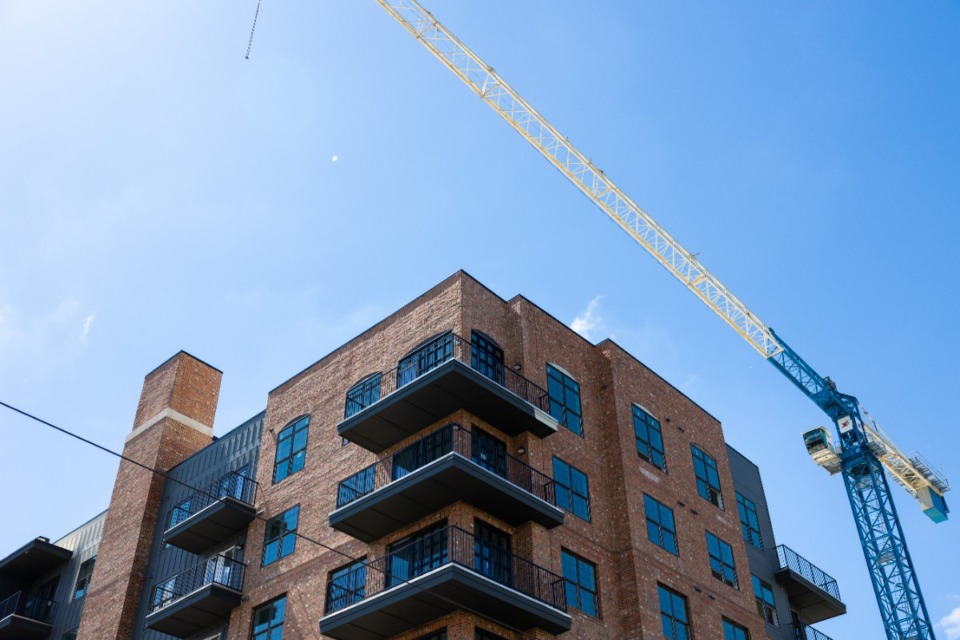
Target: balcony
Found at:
x=447, y=571
x=806, y=632
x=199, y=597
x=25, y=617
x=813, y=593
x=446, y=374
x=444, y=467
x=33, y=560
x=213, y=514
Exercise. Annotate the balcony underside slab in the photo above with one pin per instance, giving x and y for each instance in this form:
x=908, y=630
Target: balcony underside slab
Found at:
x=213, y=524
x=17, y=627
x=810, y=601
x=196, y=611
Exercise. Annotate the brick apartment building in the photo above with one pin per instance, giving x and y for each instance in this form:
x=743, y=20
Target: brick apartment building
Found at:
x=468, y=468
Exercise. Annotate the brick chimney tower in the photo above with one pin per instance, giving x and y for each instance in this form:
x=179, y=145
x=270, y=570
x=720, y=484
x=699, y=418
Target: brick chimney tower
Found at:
x=174, y=420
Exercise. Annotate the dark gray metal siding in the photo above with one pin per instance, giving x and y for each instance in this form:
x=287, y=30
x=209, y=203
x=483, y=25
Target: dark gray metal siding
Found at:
x=83, y=541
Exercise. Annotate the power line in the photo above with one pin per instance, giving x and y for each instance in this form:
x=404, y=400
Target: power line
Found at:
x=166, y=476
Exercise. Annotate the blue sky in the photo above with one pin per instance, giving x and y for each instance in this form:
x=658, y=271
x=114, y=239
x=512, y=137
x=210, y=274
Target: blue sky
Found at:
x=158, y=192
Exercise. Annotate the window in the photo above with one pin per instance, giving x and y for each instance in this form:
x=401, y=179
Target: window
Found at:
x=488, y=452
x=356, y=486
x=486, y=356
x=235, y=484
x=363, y=394
x=766, y=605
x=708, y=479
x=564, y=394
x=423, y=451
x=570, y=485
x=428, y=354
x=268, y=620
x=280, y=536
x=346, y=586
x=673, y=614
x=749, y=522
x=649, y=438
x=491, y=553
x=722, y=565
x=660, y=525
x=733, y=631
x=417, y=554
x=82, y=585
x=483, y=634
x=580, y=583
x=291, y=449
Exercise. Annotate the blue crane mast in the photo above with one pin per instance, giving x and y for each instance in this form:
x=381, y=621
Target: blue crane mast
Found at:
x=864, y=455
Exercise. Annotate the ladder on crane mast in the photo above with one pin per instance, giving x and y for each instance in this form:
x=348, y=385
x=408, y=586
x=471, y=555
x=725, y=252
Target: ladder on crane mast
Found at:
x=863, y=452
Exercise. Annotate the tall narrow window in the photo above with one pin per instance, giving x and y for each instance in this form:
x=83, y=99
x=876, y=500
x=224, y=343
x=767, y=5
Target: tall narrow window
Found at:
x=661, y=529
x=347, y=585
x=280, y=535
x=82, y=585
x=488, y=452
x=673, y=614
x=733, y=631
x=571, y=488
x=766, y=605
x=564, y=394
x=423, y=451
x=708, y=479
x=486, y=356
x=363, y=394
x=580, y=583
x=722, y=564
x=417, y=554
x=646, y=428
x=291, y=449
x=268, y=620
x=491, y=553
x=749, y=522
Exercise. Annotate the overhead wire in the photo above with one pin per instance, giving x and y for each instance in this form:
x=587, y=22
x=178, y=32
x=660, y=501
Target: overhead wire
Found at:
x=166, y=476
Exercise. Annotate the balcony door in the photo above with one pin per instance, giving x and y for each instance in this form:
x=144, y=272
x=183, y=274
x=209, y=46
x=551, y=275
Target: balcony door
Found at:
x=491, y=553
x=486, y=356
x=426, y=356
x=417, y=554
x=488, y=452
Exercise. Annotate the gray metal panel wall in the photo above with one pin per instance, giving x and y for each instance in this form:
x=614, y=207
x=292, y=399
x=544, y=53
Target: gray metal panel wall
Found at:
x=83, y=541
x=239, y=447
x=763, y=562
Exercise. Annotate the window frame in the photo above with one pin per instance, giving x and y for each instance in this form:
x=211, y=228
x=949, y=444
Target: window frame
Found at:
x=363, y=393
x=578, y=588
x=353, y=593
x=290, y=460
x=85, y=573
x=646, y=445
x=739, y=632
x=750, y=530
x=719, y=552
x=661, y=527
x=283, y=533
x=708, y=483
x=673, y=598
x=560, y=489
x=766, y=608
x=267, y=633
x=559, y=407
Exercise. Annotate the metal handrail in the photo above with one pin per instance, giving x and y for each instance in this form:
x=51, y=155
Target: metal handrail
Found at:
x=27, y=605
x=449, y=545
x=431, y=355
x=229, y=485
x=451, y=438
x=218, y=569
x=790, y=559
x=806, y=632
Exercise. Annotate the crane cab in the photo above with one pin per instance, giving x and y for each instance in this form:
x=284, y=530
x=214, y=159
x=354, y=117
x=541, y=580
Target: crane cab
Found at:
x=820, y=447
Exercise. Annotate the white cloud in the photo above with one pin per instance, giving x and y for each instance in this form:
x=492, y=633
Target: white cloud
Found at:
x=589, y=320
x=951, y=624
x=87, y=323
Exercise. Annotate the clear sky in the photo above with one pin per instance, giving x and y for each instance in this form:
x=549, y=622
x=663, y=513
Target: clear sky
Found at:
x=159, y=192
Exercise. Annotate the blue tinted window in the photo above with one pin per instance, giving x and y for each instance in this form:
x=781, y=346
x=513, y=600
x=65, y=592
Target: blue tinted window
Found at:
x=766, y=605
x=570, y=487
x=564, y=394
x=347, y=585
x=732, y=631
x=749, y=522
x=708, y=479
x=580, y=583
x=722, y=565
x=291, y=449
x=362, y=395
x=280, y=536
x=673, y=614
x=646, y=428
x=661, y=529
x=268, y=620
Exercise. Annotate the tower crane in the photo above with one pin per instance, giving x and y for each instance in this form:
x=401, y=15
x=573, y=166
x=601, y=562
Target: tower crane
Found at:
x=863, y=451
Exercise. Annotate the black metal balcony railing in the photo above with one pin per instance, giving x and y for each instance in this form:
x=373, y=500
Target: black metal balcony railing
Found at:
x=230, y=485
x=450, y=545
x=790, y=559
x=28, y=606
x=216, y=570
x=449, y=346
x=451, y=438
x=806, y=632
